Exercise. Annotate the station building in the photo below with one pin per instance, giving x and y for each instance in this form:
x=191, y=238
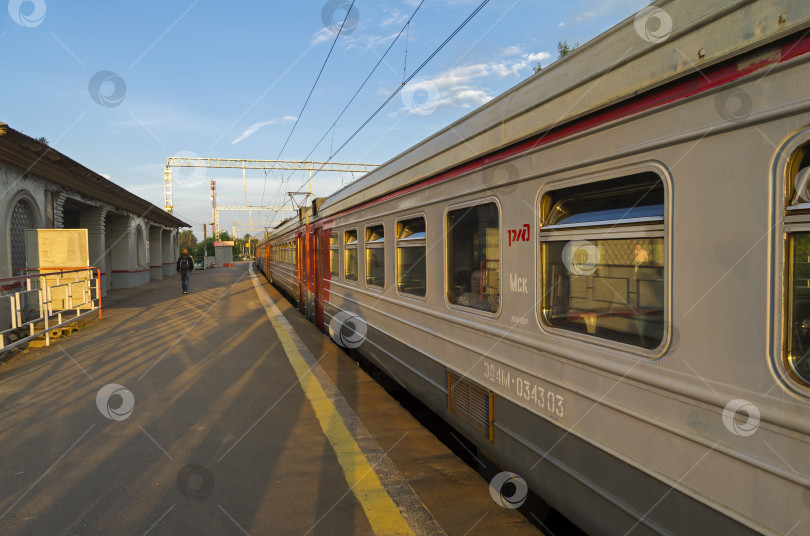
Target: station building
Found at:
x=129, y=239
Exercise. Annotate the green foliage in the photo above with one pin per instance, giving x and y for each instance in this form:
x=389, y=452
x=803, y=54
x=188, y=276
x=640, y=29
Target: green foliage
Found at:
x=43, y=139
x=187, y=240
x=239, y=245
x=564, y=49
x=208, y=245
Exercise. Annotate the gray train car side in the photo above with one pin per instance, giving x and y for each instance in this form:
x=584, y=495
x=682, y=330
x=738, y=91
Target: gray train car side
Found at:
x=637, y=221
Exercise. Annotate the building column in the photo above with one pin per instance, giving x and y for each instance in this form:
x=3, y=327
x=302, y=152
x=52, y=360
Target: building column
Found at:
x=169, y=260
x=155, y=252
x=120, y=250
x=94, y=221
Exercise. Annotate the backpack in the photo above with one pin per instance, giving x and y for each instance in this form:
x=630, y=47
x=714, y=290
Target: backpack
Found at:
x=184, y=264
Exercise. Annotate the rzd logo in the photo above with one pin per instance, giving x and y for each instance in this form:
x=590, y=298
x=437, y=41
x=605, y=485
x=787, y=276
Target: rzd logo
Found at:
x=519, y=235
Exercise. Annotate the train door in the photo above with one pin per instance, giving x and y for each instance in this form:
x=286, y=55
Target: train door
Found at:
x=317, y=236
x=311, y=279
x=300, y=265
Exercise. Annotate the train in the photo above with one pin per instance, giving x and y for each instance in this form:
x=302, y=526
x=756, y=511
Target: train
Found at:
x=601, y=278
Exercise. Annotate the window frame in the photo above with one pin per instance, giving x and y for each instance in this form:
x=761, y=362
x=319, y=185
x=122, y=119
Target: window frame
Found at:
x=662, y=228
x=792, y=219
x=399, y=220
x=335, y=247
x=346, y=248
x=375, y=246
x=445, y=267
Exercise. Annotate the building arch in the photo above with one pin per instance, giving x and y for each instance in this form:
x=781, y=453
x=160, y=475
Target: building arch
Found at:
x=23, y=213
x=140, y=246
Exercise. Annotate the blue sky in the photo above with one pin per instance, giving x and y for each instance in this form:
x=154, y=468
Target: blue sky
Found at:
x=219, y=79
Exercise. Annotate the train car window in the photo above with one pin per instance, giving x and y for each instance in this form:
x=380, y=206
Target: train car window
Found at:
x=350, y=255
x=334, y=255
x=411, y=249
x=797, y=347
x=602, y=259
x=375, y=256
x=473, y=251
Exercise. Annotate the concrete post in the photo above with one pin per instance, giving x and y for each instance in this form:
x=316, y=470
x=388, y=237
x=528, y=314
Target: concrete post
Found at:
x=94, y=221
x=169, y=261
x=155, y=252
x=121, y=242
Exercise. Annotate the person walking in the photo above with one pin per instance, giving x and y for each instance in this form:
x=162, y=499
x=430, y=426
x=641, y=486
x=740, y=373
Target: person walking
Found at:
x=185, y=265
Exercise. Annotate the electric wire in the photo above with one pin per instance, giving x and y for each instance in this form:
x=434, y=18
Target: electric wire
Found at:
x=366, y=81
x=312, y=90
x=396, y=91
x=356, y=93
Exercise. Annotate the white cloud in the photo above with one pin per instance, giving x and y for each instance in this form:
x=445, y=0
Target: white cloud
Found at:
x=464, y=86
x=395, y=16
x=511, y=51
x=252, y=129
x=323, y=35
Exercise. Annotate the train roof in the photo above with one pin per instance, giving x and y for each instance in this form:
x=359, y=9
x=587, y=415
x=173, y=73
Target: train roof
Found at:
x=618, y=64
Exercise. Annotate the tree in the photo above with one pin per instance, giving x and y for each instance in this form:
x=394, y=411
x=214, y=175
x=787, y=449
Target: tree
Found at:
x=201, y=248
x=538, y=67
x=188, y=240
x=564, y=49
x=43, y=139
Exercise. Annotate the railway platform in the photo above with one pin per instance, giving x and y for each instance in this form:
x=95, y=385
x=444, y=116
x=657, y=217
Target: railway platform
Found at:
x=220, y=412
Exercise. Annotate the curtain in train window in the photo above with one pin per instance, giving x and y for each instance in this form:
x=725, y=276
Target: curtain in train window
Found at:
x=602, y=259
x=350, y=253
x=473, y=263
x=375, y=256
x=334, y=255
x=411, y=249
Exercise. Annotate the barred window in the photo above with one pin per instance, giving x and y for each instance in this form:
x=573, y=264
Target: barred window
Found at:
x=350, y=253
x=411, y=250
x=473, y=263
x=602, y=259
x=22, y=218
x=375, y=256
x=334, y=255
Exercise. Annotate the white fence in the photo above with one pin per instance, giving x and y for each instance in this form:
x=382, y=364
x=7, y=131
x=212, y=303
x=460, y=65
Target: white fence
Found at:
x=35, y=304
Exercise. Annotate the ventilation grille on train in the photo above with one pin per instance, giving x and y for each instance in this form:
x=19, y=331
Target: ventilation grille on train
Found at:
x=471, y=402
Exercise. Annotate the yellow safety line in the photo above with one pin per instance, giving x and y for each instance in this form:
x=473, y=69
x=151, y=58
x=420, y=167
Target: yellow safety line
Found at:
x=380, y=509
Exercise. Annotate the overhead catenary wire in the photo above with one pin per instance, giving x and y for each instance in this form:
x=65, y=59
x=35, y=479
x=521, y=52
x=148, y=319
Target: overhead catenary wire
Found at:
x=413, y=74
x=373, y=70
x=298, y=118
x=356, y=93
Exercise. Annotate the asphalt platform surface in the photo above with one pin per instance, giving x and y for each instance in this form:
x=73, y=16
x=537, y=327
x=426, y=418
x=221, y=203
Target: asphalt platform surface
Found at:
x=182, y=415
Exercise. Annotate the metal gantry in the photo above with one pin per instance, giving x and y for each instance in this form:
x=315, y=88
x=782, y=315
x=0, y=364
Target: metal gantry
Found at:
x=244, y=164
x=215, y=209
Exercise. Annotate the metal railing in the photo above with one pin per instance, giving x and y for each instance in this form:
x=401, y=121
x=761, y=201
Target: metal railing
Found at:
x=33, y=305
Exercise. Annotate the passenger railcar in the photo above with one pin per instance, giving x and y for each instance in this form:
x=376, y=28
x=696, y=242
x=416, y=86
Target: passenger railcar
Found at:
x=601, y=277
